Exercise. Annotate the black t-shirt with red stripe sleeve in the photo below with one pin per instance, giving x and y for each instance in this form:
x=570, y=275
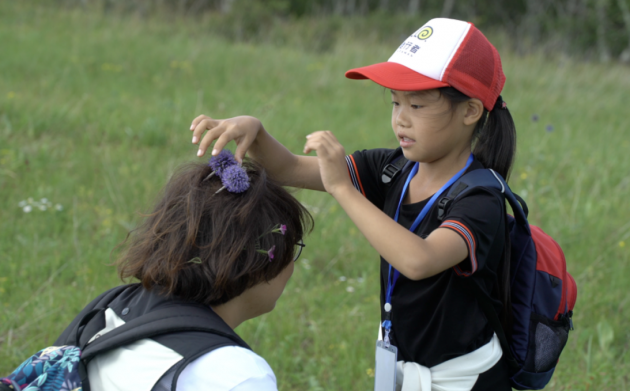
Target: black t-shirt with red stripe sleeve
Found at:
x=437, y=318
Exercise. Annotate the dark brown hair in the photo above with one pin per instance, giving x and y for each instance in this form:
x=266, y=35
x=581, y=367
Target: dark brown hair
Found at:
x=202, y=246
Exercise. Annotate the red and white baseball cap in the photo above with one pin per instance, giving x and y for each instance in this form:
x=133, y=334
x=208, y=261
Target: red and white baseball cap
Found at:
x=442, y=53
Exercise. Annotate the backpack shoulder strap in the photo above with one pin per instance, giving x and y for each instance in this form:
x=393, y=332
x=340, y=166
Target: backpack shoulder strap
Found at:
x=484, y=178
x=160, y=322
x=493, y=319
x=488, y=179
x=395, y=165
x=89, y=314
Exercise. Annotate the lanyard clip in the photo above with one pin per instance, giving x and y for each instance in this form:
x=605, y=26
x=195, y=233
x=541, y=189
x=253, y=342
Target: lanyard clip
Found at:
x=387, y=326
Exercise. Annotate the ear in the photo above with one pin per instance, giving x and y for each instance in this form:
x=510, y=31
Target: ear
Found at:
x=473, y=110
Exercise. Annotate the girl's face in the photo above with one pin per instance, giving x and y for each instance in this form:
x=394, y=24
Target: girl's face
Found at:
x=426, y=127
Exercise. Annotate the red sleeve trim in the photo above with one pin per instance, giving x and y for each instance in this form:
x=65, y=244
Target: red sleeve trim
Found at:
x=354, y=174
x=468, y=237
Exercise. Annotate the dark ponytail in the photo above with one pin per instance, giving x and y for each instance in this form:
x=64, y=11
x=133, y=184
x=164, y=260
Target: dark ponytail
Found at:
x=494, y=136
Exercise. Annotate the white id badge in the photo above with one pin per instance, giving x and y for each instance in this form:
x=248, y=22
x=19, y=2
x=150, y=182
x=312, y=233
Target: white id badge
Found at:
x=385, y=372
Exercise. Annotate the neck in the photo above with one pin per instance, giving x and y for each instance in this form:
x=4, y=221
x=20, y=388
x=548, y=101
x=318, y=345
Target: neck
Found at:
x=443, y=169
x=433, y=175
x=231, y=312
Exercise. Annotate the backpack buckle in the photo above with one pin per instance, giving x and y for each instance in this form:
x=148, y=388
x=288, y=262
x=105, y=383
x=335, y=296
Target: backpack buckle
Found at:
x=443, y=203
x=389, y=172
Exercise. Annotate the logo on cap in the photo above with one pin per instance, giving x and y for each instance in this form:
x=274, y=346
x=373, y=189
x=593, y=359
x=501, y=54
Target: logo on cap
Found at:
x=425, y=33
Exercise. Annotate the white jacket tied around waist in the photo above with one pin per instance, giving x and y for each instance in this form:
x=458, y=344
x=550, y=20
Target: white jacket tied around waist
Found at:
x=457, y=374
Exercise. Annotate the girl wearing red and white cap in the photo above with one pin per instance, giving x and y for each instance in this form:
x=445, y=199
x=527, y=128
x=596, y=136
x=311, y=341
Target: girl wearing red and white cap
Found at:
x=449, y=118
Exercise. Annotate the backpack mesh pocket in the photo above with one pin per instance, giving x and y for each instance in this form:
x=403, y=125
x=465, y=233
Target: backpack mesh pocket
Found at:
x=546, y=344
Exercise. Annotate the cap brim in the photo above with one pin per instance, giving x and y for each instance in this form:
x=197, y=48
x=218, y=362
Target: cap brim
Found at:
x=395, y=76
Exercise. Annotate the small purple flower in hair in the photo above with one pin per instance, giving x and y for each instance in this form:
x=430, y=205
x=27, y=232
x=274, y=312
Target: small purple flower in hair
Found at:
x=278, y=228
x=269, y=253
x=220, y=163
x=234, y=179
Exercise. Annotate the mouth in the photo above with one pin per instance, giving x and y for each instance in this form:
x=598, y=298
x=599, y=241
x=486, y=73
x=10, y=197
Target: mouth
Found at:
x=405, y=141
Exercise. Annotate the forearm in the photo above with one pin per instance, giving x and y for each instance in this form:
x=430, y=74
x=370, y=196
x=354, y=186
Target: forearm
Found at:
x=414, y=257
x=284, y=166
x=404, y=250
x=272, y=155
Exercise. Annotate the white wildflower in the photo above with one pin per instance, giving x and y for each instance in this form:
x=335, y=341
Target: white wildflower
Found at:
x=342, y=278
x=41, y=207
x=44, y=200
x=59, y=207
x=22, y=204
x=350, y=289
x=27, y=209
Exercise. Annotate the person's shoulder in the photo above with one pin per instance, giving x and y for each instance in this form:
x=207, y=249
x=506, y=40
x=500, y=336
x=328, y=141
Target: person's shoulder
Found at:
x=228, y=368
x=369, y=163
x=490, y=194
x=376, y=153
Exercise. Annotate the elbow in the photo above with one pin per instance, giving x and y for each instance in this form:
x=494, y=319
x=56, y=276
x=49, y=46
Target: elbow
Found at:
x=415, y=272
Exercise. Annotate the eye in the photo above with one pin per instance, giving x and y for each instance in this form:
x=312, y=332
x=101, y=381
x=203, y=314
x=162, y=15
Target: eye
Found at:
x=416, y=107
x=395, y=103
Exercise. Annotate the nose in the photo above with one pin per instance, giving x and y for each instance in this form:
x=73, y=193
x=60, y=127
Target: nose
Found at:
x=401, y=119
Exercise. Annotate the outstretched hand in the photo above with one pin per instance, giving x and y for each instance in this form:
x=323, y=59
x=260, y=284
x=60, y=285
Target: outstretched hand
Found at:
x=243, y=130
x=331, y=158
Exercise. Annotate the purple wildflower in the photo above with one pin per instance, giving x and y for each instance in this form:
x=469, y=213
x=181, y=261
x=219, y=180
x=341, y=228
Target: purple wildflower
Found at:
x=235, y=179
x=222, y=161
x=535, y=118
x=549, y=128
x=283, y=229
x=270, y=252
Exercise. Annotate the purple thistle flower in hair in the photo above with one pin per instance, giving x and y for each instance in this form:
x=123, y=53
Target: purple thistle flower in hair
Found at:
x=220, y=163
x=283, y=229
x=234, y=179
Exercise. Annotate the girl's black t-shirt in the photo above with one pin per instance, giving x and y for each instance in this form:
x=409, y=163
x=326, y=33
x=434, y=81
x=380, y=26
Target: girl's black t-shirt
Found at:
x=437, y=318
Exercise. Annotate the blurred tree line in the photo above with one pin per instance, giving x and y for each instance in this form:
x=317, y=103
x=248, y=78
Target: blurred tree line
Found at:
x=597, y=29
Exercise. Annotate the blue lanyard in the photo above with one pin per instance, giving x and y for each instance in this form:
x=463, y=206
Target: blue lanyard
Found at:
x=387, y=324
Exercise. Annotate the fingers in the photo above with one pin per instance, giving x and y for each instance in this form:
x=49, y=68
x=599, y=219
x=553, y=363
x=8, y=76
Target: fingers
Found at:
x=201, y=126
x=324, y=143
x=242, y=147
x=213, y=134
x=222, y=141
x=196, y=121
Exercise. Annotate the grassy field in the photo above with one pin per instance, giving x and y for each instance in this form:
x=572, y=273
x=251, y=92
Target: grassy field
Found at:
x=94, y=116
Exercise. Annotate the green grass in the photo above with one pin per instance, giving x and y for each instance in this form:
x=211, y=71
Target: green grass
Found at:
x=94, y=115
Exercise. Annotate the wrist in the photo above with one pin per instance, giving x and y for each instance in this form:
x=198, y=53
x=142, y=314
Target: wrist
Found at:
x=343, y=190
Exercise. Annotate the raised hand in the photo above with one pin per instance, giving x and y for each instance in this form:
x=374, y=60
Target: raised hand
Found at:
x=243, y=130
x=331, y=159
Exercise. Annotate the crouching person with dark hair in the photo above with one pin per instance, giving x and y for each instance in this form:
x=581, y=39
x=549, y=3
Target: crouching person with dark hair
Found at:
x=217, y=250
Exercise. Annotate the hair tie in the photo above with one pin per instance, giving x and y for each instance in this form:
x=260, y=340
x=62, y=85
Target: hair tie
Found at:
x=500, y=104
